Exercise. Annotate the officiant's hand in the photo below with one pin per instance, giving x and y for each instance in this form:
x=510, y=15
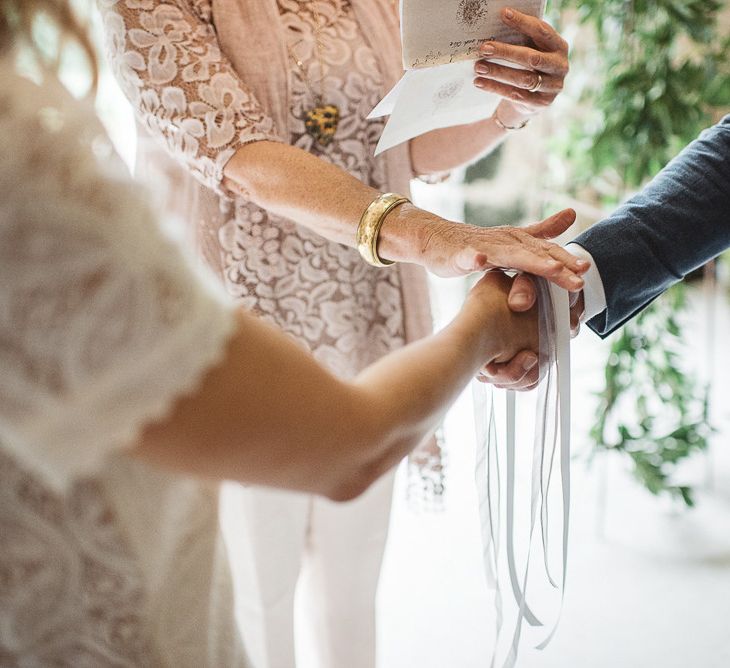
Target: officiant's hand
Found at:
x=525, y=91
x=449, y=249
x=521, y=373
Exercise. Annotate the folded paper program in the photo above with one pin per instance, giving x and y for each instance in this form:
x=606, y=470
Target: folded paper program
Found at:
x=440, y=41
x=552, y=435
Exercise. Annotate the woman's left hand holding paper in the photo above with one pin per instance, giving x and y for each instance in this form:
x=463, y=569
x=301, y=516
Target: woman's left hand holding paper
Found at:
x=541, y=74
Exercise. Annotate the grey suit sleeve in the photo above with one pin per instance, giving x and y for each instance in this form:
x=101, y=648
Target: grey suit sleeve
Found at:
x=676, y=224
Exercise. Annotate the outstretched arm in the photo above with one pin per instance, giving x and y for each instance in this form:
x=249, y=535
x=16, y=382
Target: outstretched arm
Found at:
x=270, y=414
x=295, y=184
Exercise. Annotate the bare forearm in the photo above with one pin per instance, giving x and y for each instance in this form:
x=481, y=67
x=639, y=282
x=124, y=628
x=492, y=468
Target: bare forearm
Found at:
x=409, y=392
x=294, y=184
x=277, y=418
x=271, y=415
x=445, y=149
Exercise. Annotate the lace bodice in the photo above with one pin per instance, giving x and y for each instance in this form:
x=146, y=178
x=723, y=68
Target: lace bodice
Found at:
x=103, y=323
x=347, y=313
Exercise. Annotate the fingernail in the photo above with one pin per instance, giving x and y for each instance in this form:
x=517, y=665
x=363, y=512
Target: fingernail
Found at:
x=479, y=83
x=519, y=299
x=576, y=282
x=481, y=67
x=487, y=49
x=581, y=263
x=529, y=362
x=509, y=14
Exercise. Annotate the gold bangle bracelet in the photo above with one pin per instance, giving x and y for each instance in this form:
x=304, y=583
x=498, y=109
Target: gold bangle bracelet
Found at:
x=368, y=230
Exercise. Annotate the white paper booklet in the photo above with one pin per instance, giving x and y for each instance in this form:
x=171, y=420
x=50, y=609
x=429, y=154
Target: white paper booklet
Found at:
x=441, y=40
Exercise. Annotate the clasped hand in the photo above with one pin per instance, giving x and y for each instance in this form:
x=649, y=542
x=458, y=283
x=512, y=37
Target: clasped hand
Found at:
x=521, y=372
x=504, y=332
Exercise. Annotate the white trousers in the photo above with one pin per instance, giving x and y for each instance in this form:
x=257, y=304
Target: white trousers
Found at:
x=332, y=551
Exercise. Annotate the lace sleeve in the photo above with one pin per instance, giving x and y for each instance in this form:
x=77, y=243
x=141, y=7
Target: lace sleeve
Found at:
x=103, y=322
x=166, y=58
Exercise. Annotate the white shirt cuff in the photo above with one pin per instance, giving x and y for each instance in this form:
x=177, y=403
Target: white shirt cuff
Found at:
x=594, y=297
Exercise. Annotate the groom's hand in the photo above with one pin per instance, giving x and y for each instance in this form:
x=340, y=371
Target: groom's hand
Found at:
x=522, y=372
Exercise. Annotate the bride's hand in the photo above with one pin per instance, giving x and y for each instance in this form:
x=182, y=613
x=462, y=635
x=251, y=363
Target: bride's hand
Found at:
x=508, y=332
x=521, y=372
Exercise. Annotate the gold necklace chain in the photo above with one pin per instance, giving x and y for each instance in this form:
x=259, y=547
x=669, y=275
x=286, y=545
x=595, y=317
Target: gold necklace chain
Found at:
x=320, y=58
x=321, y=121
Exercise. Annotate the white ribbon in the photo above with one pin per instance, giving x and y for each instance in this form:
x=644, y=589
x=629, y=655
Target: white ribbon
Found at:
x=552, y=425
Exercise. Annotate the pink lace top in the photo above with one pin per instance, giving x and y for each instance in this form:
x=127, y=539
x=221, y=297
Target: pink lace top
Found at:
x=166, y=57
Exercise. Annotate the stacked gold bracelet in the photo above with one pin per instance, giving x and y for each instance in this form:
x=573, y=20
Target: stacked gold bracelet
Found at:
x=371, y=221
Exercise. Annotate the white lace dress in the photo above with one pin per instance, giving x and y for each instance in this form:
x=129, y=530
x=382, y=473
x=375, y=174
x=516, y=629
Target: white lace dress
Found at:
x=103, y=323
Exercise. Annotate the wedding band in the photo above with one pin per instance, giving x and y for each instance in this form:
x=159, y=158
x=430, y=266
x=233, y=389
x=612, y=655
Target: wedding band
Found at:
x=536, y=86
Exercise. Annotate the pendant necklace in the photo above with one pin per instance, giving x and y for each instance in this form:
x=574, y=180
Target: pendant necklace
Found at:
x=321, y=120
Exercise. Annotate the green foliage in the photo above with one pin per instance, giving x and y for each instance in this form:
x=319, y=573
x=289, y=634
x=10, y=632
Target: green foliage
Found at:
x=490, y=215
x=657, y=70
x=649, y=408
x=486, y=168
x=651, y=77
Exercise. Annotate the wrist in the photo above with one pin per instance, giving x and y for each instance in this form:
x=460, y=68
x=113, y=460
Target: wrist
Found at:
x=509, y=116
x=405, y=233
x=474, y=336
x=485, y=317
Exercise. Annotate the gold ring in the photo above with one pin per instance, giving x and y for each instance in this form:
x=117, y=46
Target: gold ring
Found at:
x=538, y=83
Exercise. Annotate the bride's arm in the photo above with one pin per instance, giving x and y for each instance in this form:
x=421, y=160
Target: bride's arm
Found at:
x=270, y=414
